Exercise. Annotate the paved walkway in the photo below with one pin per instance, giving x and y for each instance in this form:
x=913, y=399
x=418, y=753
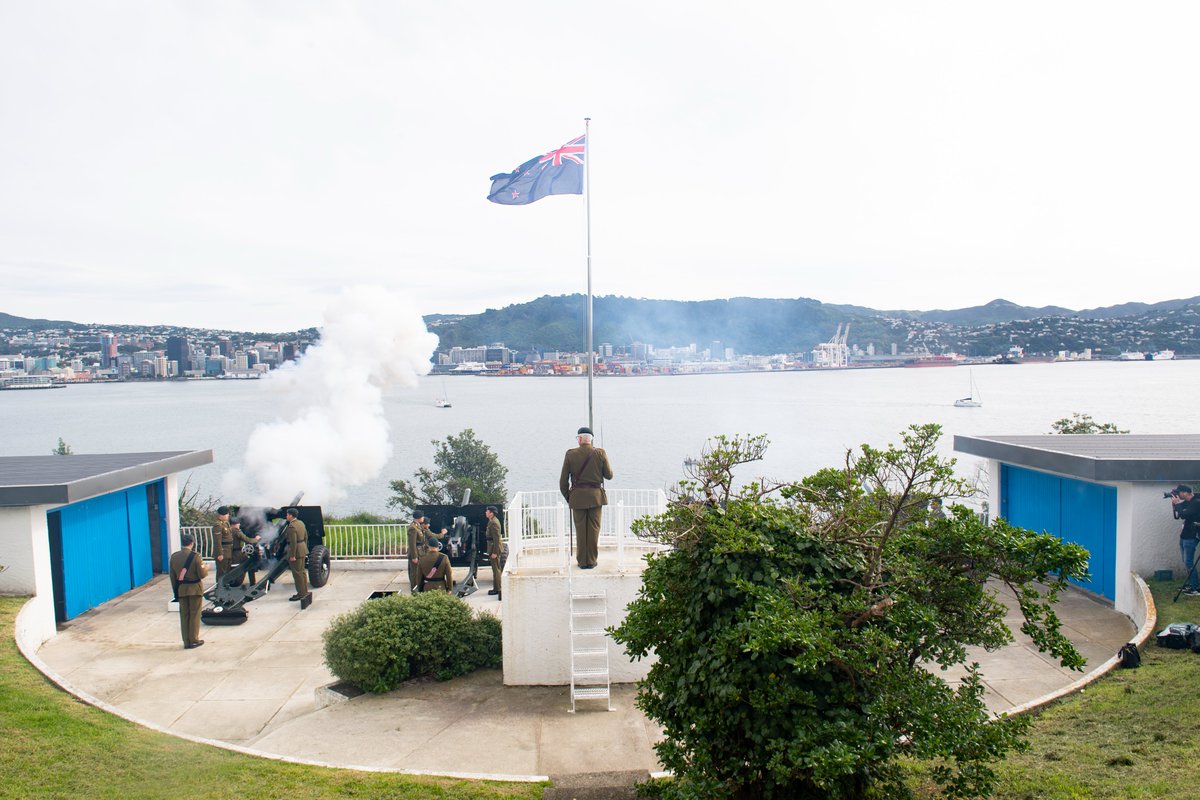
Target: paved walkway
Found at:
x=253, y=686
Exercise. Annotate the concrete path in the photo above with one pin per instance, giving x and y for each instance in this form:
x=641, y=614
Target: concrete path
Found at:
x=253, y=686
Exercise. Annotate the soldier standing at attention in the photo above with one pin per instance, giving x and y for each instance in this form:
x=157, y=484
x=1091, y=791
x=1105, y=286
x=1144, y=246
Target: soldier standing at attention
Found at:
x=434, y=567
x=222, y=542
x=584, y=470
x=495, y=542
x=297, y=550
x=416, y=539
x=187, y=581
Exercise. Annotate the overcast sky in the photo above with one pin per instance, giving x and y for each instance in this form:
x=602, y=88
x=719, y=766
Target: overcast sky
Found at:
x=232, y=164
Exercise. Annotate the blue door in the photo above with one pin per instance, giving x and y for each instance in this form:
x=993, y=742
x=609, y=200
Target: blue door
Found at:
x=1077, y=511
x=101, y=548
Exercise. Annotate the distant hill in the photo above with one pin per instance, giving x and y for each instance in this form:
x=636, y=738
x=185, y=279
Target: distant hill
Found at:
x=24, y=323
x=755, y=325
x=795, y=325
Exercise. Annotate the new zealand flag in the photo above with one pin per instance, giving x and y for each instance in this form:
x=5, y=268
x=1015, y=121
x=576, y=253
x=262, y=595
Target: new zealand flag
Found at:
x=557, y=172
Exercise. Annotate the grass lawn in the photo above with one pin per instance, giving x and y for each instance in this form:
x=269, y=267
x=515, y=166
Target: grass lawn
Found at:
x=53, y=746
x=1132, y=734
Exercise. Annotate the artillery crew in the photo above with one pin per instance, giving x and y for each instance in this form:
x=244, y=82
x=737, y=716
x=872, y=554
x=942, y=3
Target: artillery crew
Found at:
x=297, y=552
x=187, y=581
x=434, y=569
x=416, y=540
x=222, y=542
x=495, y=544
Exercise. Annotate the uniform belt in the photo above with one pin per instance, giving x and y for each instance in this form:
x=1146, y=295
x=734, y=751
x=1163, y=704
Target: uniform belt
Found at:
x=587, y=486
x=197, y=580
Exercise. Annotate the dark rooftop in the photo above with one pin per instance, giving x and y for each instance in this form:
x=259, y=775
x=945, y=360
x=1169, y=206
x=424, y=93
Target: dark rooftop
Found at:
x=56, y=480
x=1095, y=457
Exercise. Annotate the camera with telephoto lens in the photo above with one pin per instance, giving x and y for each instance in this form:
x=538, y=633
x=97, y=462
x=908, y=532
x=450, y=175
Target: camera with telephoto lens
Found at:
x=1169, y=495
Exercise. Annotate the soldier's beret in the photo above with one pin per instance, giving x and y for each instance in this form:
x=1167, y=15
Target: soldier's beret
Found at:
x=418, y=514
x=223, y=509
x=584, y=430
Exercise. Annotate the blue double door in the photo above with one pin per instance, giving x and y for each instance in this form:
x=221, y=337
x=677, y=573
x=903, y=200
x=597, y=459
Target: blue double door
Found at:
x=103, y=547
x=1076, y=511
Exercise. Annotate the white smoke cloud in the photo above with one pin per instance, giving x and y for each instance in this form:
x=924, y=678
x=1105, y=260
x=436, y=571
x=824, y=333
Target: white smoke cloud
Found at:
x=332, y=433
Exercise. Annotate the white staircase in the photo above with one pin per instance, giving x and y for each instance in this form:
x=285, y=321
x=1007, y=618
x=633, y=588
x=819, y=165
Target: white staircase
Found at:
x=589, y=647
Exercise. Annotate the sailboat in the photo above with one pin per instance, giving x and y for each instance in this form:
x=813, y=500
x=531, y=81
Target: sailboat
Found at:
x=972, y=399
x=443, y=401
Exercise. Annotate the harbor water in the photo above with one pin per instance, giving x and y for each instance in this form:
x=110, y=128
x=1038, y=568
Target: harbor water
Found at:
x=649, y=425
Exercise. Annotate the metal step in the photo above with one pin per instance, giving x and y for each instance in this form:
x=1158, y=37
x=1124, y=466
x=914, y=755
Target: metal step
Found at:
x=590, y=673
x=590, y=632
x=590, y=693
x=591, y=651
x=598, y=613
x=588, y=596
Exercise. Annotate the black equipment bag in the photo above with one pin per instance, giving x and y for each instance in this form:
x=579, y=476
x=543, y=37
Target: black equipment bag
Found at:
x=1178, y=636
x=1129, y=655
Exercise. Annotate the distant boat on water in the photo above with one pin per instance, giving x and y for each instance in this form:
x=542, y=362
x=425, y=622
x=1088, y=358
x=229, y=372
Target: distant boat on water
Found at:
x=1132, y=355
x=972, y=399
x=444, y=400
x=1164, y=355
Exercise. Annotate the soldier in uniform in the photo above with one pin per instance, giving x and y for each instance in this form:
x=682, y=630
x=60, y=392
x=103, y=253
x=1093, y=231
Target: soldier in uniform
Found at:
x=584, y=470
x=240, y=540
x=416, y=539
x=187, y=581
x=495, y=544
x=434, y=568
x=222, y=542
x=297, y=551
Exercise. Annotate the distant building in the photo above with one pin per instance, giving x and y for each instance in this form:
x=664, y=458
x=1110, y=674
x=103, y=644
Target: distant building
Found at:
x=108, y=349
x=179, y=350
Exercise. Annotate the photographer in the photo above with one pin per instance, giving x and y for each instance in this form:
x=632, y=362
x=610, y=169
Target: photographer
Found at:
x=1185, y=507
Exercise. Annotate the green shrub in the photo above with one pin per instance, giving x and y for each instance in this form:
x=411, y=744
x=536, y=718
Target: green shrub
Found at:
x=385, y=642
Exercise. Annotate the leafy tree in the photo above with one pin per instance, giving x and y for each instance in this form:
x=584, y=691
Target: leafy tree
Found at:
x=1083, y=423
x=63, y=449
x=461, y=462
x=800, y=627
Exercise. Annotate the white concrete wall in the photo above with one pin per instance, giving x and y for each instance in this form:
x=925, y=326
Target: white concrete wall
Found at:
x=25, y=551
x=172, y=502
x=1154, y=530
x=537, y=643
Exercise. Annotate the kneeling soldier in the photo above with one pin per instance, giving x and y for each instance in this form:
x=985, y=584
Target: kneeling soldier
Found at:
x=434, y=568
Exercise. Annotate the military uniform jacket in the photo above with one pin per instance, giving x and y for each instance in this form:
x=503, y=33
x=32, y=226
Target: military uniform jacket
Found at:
x=297, y=540
x=222, y=535
x=584, y=471
x=434, y=567
x=416, y=539
x=193, y=576
x=495, y=539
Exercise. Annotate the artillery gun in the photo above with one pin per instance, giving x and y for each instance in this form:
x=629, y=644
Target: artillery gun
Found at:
x=465, y=542
x=265, y=561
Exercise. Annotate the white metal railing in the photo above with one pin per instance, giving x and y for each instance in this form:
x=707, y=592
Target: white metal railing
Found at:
x=539, y=521
x=535, y=521
x=202, y=535
x=369, y=542
x=359, y=542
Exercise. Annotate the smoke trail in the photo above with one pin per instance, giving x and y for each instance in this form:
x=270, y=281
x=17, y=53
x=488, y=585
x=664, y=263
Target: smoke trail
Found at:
x=332, y=432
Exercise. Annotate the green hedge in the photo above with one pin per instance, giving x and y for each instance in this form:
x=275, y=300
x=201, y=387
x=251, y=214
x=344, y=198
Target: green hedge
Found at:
x=385, y=642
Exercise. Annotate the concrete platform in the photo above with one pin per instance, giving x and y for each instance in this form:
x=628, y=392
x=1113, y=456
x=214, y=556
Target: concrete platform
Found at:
x=252, y=687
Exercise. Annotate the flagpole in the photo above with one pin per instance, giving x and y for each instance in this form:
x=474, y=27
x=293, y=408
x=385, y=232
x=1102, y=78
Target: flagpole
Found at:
x=587, y=201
